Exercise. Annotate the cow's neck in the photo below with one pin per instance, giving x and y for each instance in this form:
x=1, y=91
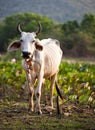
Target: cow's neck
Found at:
x=32, y=64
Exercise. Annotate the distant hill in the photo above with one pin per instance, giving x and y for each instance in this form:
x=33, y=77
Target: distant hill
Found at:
x=58, y=10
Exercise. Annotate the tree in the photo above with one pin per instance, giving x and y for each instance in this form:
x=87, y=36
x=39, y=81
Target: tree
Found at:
x=70, y=27
x=29, y=23
x=79, y=38
x=88, y=24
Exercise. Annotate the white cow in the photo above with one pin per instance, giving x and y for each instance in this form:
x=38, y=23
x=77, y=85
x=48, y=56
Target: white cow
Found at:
x=41, y=59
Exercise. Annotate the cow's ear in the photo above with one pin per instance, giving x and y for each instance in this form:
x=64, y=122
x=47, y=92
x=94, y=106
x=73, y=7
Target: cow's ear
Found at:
x=14, y=46
x=38, y=46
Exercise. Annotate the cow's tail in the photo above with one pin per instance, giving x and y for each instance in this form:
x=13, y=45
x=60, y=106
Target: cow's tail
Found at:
x=58, y=90
x=57, y=99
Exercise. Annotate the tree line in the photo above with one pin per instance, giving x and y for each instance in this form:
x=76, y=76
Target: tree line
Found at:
x=76, y=38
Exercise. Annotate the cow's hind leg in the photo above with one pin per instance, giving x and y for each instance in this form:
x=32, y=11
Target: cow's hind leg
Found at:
x=52, y=79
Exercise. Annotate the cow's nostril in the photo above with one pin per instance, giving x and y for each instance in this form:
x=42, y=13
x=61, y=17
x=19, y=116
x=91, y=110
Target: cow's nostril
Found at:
x=25, y=54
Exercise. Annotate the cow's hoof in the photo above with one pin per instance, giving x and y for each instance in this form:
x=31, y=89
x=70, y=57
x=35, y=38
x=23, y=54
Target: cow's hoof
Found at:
x=39, y=112
x=30, y=110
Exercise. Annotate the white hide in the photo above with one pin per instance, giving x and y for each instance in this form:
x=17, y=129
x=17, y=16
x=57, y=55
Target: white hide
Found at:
x=52, y=56
x=46, y=57
x=27, y=41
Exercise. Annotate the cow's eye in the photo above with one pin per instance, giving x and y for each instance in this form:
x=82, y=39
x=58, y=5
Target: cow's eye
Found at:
x=21, y=40
x=33, y=41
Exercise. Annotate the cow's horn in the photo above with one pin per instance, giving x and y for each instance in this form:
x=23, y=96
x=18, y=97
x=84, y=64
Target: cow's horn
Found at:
x=19, y=28
x=39, y=29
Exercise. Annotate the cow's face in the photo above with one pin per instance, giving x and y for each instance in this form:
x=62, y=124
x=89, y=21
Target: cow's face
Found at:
x=27, y=43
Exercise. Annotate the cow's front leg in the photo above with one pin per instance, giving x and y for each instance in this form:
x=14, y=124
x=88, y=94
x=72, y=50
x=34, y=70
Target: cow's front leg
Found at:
x=31, y=91
x=38, y=93
x=31, y=95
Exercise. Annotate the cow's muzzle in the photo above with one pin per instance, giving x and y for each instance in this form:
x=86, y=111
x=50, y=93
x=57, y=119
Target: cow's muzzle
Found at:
x=26, y=55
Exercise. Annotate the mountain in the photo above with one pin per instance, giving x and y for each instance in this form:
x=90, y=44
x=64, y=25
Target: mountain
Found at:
x=58, y=10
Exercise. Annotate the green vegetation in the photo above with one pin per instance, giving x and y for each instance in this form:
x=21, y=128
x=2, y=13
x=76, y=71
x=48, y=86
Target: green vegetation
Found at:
x=77, y=39
x=8, y=28
x=76, y=80
x=12, y=78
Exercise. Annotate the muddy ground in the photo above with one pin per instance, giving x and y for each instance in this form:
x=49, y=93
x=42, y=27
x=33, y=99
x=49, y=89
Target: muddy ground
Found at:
x=14, y=115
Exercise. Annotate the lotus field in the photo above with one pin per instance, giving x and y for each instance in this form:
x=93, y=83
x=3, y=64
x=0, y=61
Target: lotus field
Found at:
x=76, y=81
